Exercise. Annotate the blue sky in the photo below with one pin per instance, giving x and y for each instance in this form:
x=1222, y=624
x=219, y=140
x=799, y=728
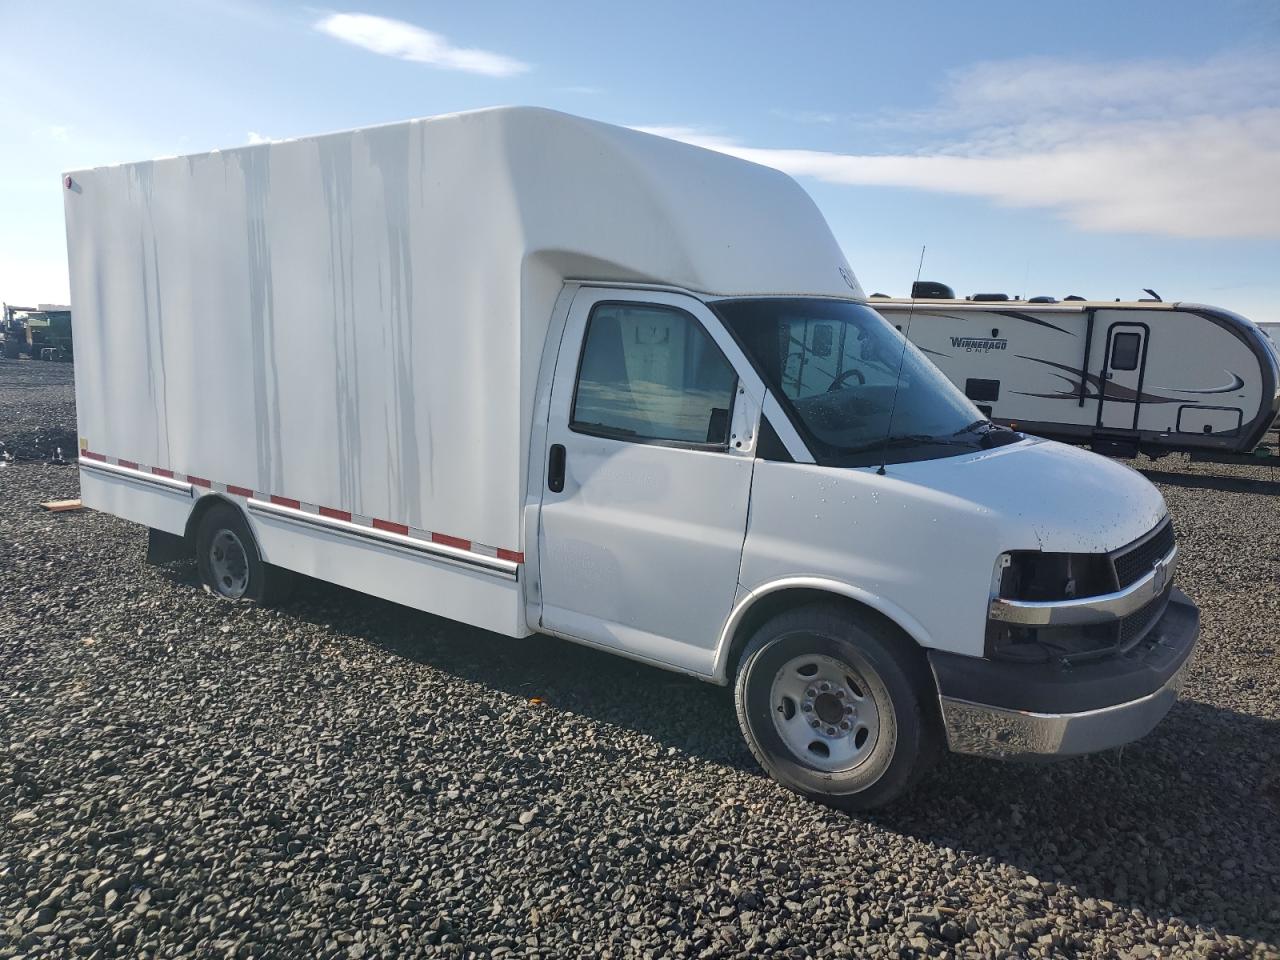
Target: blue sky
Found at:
x=1034, y=148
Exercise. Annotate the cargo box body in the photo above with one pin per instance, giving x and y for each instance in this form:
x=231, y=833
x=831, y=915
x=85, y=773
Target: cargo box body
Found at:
x=356, y=321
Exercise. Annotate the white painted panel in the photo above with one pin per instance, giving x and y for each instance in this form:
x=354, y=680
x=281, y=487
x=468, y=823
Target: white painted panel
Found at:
x=356, y=320
x=478, y=598
x=920, y=543
x=142, y=503
x=640, y=551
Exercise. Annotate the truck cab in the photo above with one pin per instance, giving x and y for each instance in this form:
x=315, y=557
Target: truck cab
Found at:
x=786, y=495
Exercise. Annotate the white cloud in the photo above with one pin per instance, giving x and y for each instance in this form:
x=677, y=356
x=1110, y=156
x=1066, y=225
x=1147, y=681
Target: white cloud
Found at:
x=256, y=138
x=1138, y=147
x=1041, y=89
x=404, y=41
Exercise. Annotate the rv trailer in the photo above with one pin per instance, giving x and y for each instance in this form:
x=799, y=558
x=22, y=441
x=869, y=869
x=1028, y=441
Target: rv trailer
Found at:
x=1272, y=330
x=1120, y=377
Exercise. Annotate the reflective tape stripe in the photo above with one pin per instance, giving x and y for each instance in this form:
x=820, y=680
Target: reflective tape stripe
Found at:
x=418, y=535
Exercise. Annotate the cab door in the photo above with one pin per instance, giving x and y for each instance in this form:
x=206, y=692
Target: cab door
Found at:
x=650, y=451
x=1122, y=371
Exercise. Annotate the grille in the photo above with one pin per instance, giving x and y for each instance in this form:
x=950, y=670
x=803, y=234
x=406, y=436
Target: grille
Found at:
x=1135, y=626
x=1134, y=563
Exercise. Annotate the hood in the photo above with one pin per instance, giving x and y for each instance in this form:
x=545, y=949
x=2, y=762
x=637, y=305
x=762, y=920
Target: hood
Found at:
x=1071, y=500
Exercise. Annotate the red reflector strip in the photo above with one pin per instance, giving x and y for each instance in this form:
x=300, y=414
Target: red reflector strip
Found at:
x=390, y=526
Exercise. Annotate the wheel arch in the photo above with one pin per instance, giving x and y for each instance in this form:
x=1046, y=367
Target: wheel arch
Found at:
x=203, y=506
x=776, y=596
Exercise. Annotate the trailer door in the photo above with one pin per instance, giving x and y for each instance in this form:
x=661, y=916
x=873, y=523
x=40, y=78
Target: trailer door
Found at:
x=644, y=505
x=1123, y=366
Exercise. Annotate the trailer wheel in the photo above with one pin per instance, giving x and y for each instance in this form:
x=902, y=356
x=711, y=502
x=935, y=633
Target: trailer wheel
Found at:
x=229, y=562
x=836, y=708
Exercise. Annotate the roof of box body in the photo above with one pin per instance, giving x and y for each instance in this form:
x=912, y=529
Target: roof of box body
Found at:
x=610, y=203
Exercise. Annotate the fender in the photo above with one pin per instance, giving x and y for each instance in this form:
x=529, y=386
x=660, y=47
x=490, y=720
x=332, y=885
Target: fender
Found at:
x=876, y=602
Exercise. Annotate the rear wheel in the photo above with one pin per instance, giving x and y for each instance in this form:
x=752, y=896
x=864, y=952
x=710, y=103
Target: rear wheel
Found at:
x=229, y=561
x=836, y=707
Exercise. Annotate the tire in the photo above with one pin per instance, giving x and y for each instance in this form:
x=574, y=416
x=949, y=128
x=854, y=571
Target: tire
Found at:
x=230, y=563
x=859, y=742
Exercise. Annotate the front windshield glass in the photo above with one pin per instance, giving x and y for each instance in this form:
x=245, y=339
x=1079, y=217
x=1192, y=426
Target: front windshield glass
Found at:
x=834, y=365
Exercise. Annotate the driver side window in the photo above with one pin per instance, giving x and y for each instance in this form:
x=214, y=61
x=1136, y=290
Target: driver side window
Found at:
x=651, y=373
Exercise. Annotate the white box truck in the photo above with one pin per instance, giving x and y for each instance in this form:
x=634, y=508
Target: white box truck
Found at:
x=541, y=374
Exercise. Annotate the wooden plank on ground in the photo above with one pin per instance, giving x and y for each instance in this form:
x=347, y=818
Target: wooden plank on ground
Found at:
x=61, y=506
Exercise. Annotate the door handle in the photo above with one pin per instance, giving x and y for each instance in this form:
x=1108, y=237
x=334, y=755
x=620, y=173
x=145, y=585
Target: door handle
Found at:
x=555, y=468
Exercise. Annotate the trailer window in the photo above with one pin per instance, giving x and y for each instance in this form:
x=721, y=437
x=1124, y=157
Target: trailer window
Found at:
x=652, y=373
x=1125, y=349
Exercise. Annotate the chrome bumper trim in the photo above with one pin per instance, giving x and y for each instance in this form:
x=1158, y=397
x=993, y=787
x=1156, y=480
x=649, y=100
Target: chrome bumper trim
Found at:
x=1105, y=608
x=138, y=476
x=999, y=732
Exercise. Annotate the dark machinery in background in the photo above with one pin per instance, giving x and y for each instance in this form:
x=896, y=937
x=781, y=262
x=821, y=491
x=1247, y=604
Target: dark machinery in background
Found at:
x=42, y=332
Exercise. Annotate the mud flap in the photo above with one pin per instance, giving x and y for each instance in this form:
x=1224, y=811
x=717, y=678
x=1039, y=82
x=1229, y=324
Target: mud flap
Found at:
x=165, y=547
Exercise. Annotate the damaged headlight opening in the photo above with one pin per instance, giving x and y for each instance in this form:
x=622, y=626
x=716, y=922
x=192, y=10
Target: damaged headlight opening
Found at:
x=1035, y=576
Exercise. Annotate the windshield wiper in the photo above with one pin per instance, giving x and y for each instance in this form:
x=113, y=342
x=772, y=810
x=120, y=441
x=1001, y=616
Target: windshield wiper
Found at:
x=990, y=434
x=977, y=427
x=909, y=439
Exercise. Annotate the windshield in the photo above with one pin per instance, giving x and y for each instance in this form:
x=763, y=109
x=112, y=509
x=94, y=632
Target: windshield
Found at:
x=834, y=364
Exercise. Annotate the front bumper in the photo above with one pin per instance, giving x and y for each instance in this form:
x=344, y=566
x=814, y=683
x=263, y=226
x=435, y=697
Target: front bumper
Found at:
x=1014, y=710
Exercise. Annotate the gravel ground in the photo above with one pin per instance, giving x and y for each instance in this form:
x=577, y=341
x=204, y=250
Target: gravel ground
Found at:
x=344, y=778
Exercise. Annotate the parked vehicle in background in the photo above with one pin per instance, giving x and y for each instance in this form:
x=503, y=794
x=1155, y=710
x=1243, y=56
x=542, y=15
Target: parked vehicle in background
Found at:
x=43, y=332
x=541, y=374
x=1143, y=376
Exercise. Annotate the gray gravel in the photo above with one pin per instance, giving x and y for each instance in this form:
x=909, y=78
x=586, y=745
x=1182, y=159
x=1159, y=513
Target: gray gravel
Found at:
x=37, y=410
x=344, y=778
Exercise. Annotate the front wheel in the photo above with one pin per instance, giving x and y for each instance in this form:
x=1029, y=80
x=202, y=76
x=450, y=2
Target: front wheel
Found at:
x=837, y=707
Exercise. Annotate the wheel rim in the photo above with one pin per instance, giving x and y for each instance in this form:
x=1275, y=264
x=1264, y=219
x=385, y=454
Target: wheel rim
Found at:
x=825, y=712
x=229, y=564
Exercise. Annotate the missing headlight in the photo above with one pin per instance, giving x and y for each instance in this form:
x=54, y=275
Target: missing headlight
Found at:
x=1036, y=576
